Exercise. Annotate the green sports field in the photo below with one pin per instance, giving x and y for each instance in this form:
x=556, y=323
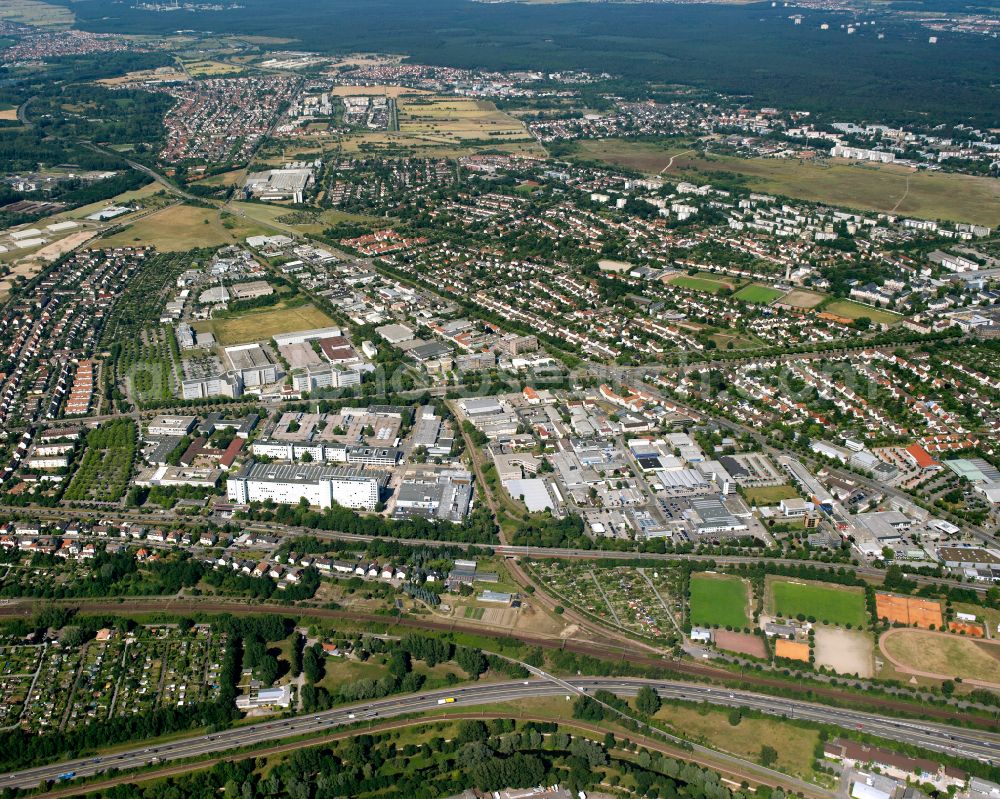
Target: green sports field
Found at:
x=703, y=281
x=758, y=294
x=718, y=599
x=840, y=605
x=855, y=310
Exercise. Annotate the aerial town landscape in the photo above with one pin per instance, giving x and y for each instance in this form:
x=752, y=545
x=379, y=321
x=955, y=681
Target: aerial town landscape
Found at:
x=514, y=402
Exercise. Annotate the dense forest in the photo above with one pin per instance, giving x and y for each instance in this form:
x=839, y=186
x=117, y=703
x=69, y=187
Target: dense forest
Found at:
x=738, y=49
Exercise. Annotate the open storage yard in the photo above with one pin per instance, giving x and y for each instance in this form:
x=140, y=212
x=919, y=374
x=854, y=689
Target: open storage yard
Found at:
x=838, y=605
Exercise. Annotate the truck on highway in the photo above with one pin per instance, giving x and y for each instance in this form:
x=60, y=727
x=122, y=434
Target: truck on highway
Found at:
x=447, y=701
x=66, y=776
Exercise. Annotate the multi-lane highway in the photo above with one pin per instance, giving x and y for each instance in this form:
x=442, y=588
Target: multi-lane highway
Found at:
x=935, y=737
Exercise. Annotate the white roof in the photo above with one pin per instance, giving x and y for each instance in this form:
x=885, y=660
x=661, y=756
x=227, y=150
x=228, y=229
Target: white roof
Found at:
x=535, y=493
x=861, y=790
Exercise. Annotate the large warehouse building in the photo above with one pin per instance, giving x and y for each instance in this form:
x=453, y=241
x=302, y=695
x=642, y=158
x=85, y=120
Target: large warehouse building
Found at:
x=321, y=486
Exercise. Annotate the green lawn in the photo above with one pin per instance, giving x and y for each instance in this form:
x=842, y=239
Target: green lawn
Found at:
x=758, y=294
x=834, y=604
x=703, y=281
x=718, y=599
x=855, y=310
x=769, y=495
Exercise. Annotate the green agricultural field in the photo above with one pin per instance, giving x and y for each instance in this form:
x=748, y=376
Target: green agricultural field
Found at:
x=883, y=187
x=840, y=605
x=718, y=599
x=758, y=294
x=855, y=310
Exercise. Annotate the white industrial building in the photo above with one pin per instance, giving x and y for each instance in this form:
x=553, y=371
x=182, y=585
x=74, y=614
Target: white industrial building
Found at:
x=302, y=336
x=325, y=376
x=279, y=184
x=171, y=426
x=320, y=486
x=356, y=455
x=222, y=385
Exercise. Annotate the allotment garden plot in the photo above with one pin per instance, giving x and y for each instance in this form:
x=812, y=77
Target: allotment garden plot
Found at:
x=640, y=601
x=113, y=675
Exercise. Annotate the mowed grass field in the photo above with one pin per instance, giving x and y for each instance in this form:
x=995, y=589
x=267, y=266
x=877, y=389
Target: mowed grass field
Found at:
x=703, y=281
x=855, y=310
x=758, y=294
x=884, y=187
x=730, y=341
x=210, y=69
x=264, y=323
x=840, y=605
x=182, y=227
x=769, y=495
x=944, y=655
x=718, y=599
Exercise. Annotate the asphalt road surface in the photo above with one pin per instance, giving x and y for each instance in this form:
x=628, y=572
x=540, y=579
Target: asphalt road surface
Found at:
x=935, y=737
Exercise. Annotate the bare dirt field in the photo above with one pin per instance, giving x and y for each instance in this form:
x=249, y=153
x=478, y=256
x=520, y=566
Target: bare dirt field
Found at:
x=31, y=265
x=740, y=642
x=845, y=651
x=57, y=249
x=799, y=298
